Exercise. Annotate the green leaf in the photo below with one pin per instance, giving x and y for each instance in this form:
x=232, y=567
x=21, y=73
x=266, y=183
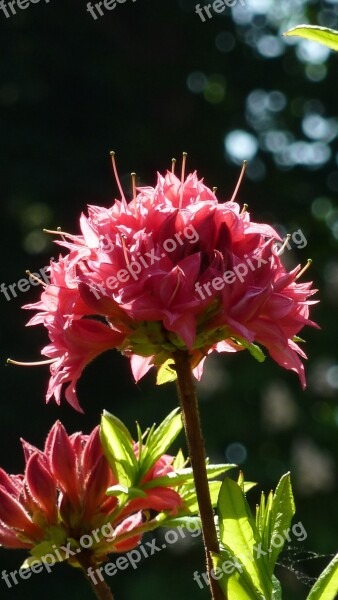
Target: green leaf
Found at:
x=248, y=485
x=179, y=461
x=240, y=535
x=183, y=521
x=322, y=35
x=165, y=373
x=254, y=350
x=177, y=478
x=236, y=585
x=277, y=589
x=190, y=500
x=118, y=448
x=159, y=440
x=326, y=587
x=282, y=511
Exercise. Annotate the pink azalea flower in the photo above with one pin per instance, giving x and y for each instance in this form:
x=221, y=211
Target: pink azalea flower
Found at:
x=157, y=273
x=62, y=497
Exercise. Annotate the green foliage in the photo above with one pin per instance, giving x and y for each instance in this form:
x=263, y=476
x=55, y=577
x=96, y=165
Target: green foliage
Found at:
x=326, y=587
x=249, y=546
x=130, y=465
x=165, y=373
x=322, y=35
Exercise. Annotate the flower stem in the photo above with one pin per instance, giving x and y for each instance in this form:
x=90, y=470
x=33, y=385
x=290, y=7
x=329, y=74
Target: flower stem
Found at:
x=99, y=586
x=193, y=431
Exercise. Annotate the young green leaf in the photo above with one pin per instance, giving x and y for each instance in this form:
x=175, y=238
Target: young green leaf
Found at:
x=177, y=478
x=235, y=584
x=190, y=499
x=240, y=535
x=165, y=373
x=159, y=440
x=277, y=589
x=282, y=511
x=322, y=35
x=118, y=448
x=326, y=587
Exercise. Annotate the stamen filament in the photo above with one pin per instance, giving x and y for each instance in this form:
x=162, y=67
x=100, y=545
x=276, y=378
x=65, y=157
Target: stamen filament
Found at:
x=305, y=268
x=124, y=247
x=184, y=160
x=63, y=237
x=282, y=248
x=241, y=175
x=58, y=232
x=10, y=361
x=244, y=209
x=112, y=154
x=35, y=278
x=173, y=164
x=133, y=182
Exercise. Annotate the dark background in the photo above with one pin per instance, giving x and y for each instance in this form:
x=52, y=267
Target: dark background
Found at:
x=151, y=80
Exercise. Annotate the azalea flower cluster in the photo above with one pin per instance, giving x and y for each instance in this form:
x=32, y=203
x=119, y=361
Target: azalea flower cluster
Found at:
x=62, y=497
x=150, y=317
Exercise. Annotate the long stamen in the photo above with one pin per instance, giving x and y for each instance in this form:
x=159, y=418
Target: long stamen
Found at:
x=173, y=164
x=241, y=175
x=112, y=154
x=124, y=247
x=184, y=160
x=133, y=183
x=282, y=248
x=308, y=263
x=244, y=209
x=58, y=232
x=36, y=278
x=62, y=235
x=10, y=361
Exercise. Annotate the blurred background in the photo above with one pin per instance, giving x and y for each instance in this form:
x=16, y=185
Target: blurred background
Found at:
x=150, y=80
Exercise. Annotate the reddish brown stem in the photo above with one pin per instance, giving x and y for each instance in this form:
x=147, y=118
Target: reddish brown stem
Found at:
x=99, y=586
x=193, y=431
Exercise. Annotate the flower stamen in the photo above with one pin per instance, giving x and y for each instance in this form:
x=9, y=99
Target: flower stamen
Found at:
x=184, y=161
x=241, y=175
x=133, y=183
x=124, y=248
x=282, y=248
x=36, y=278
x=38, y=363
x=173, y=164
x=305, y=268
x=57, y=232
x=112, y=154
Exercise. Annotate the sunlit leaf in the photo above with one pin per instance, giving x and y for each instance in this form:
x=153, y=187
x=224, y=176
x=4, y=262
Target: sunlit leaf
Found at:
x=165, y=373
x=119, y=449
x=322, y=35
x=159, y=440
x=326, y=587
x=186, y=475
x=240, y=535
x=282, y=511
